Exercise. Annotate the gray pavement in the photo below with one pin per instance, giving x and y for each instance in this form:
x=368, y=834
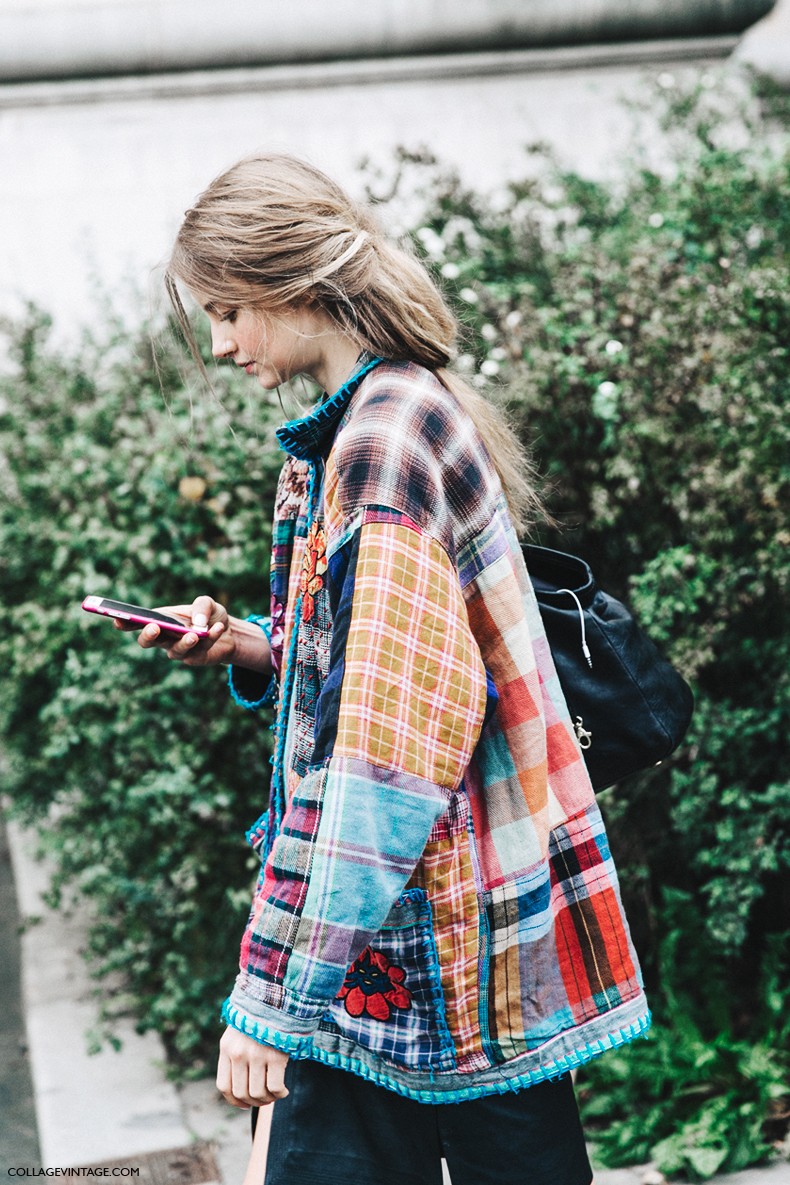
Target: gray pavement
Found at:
x=118, y=1106
x=18, y=1134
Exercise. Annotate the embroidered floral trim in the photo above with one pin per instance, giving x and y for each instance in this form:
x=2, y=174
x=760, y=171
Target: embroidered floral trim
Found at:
x=374, y=986
x=313, y=569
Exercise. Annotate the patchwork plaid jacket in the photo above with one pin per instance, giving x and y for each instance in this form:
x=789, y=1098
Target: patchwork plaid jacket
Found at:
x=437, y=909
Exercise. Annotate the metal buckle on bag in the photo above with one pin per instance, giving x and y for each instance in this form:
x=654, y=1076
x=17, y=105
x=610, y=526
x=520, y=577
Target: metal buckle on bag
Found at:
x=583, y=735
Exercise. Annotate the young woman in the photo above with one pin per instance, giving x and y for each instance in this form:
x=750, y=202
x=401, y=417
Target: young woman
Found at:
x=436, y=938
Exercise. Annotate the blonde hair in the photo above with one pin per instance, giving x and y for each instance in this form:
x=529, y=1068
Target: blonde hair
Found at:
x=275, y=233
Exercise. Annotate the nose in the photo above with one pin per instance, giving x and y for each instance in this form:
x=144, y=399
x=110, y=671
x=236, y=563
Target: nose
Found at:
x=221, y=344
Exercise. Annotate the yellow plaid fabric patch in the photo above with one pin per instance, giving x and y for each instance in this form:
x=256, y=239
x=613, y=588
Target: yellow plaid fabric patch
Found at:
x=414, y=686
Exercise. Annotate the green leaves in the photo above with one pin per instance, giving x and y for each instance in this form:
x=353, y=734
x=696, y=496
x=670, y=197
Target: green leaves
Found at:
x=692, y=1106
x=118, y=487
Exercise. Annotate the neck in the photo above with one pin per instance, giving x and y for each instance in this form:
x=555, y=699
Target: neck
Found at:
x=338, y=362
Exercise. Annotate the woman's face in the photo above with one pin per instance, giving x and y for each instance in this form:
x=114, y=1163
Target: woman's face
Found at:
x=273, y=348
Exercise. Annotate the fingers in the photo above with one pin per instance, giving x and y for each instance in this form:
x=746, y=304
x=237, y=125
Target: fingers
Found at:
x=182, y=647
x=176, y=646
x=148, y=636
x=202, y=610
x=202, y=613
x=256, y=1083
x=194, y=650
x=250, y=1074
x=239, y=1090
x=275, y=1077
x=190, y=648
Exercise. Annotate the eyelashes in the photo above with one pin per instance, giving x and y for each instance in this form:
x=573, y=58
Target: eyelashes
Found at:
x=230, y=316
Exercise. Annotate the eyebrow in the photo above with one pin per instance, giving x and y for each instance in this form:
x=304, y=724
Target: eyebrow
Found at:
x=210, y=307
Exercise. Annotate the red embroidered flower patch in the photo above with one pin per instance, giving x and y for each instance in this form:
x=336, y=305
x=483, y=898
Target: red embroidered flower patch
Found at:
x=374, y=986
x=313, y=569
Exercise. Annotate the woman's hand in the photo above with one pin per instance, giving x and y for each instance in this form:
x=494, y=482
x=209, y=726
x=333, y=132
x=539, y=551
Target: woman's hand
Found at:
x=250, y=1074
x=193, y=651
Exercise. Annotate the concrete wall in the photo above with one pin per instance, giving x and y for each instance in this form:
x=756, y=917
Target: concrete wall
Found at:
x=93, y=182
x=67, y=38
x=95, y=173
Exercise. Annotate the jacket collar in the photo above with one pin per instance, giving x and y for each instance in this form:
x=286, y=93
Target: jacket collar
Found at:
x=305, y=437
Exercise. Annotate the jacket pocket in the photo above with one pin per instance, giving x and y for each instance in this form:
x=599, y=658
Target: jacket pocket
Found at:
x=391, y=1001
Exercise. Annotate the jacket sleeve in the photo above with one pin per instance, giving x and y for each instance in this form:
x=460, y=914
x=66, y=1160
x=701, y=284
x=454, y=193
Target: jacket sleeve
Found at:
x=398, y=719
x=249, y=688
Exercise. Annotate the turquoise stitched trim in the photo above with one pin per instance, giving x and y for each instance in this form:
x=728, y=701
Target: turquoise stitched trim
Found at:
x=420, y=896
x=268, y=696
x=303, y=1047
x=257, y=833
x=307, y=430
x=484, y=975
x=277, y=790
x=287, y=1042
x=518, y=1082
x=312, y=495
x=303, y=437
x=485, y=940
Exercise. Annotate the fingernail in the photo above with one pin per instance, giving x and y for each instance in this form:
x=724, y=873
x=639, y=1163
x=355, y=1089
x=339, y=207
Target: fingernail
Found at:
x=200, y=620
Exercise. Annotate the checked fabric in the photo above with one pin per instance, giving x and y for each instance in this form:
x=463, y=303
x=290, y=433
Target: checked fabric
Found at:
x=437, y=910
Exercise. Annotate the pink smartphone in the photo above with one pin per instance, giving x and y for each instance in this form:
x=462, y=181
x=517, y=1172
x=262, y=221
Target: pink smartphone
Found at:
x=140, y=616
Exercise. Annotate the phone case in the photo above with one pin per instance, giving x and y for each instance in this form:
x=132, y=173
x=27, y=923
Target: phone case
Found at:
x=139, y=615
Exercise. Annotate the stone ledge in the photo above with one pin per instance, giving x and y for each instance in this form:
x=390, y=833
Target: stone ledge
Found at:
x=85, y=38
x=372, y=71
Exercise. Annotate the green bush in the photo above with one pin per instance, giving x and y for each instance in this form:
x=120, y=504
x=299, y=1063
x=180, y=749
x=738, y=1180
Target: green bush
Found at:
x=151, y=774
x=639, y=331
